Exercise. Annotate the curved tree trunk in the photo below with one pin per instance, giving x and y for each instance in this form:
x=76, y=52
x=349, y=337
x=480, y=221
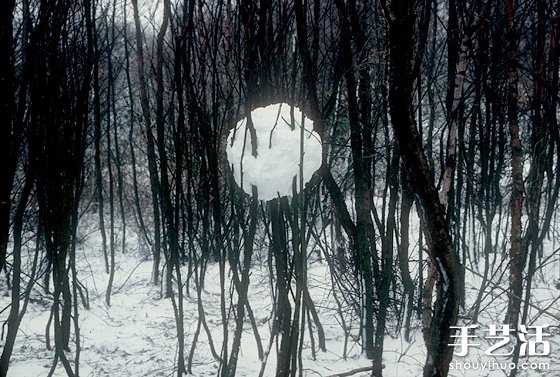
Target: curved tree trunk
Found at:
x=440, y=247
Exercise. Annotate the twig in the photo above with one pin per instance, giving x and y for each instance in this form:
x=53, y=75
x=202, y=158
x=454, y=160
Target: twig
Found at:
x=494, y=285
x=354, y=371
x=130, y=275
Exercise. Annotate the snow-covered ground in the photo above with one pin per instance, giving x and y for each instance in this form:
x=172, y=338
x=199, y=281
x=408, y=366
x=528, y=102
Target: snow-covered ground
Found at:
x=136, y=336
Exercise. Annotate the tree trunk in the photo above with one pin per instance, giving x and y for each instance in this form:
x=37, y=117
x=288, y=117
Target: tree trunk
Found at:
x=15, y=313
x=440, y=246
x=283, y=306
x=9, y=132
x=362, y=203
x=517, y=254
x=242, y=285
x=152, y=168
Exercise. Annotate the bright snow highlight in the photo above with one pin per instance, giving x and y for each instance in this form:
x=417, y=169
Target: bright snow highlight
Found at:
x=278, y=150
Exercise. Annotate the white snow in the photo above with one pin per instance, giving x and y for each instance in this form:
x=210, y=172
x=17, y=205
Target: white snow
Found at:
x=136, y=336
x=277, y=162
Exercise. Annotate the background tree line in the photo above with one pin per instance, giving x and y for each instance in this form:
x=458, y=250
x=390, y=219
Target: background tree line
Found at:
x=442, y=111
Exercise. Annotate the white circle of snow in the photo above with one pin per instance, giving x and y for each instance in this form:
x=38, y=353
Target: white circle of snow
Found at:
x=278, y=151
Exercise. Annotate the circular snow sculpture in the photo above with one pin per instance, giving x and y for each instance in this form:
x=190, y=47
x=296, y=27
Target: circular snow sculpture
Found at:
x=272, y=170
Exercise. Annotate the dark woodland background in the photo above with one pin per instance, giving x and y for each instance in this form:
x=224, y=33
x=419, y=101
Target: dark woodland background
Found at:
x=444, y=111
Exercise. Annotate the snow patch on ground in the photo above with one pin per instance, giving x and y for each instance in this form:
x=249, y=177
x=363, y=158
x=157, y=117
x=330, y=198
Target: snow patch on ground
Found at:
x=136, y=336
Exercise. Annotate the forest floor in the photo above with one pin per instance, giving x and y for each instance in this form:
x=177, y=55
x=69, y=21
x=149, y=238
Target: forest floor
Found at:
x=136, y=335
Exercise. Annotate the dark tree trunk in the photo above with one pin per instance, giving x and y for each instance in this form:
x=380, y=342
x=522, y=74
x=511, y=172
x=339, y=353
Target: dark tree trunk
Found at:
x=92, y=30
x=58, y=104
x=152, y=167
x=362, y=204
x=15, y=313
x=406, y=206
x=242, y=285
x=283, y=307
x=440, y=246
x=111, y=120
x=517, y=254
x=9, y=131
x=387, y=264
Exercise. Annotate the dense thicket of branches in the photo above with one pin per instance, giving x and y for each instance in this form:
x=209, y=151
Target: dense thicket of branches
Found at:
x=437, y=113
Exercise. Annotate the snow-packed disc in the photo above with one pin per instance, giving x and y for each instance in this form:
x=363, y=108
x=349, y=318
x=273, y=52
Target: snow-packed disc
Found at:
x=278, y=150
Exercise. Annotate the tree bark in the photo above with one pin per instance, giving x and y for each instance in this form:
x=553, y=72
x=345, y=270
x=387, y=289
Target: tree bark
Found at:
x=15, y=314
x=9, y=133
x=517, y=254
x=362, y=203
x=440, y=246
x=152, y=168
